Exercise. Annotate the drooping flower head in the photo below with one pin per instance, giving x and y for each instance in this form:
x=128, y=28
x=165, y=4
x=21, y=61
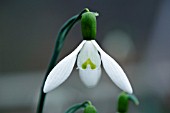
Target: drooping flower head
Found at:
x=89, y=58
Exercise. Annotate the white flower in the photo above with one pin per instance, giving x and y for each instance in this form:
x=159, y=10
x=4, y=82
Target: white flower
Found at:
x=89, y=65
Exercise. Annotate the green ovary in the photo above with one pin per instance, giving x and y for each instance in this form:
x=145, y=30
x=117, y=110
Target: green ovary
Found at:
x=88, y=62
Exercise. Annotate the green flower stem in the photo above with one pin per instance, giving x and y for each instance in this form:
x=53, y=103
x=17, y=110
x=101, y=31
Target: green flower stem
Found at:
x=76, y=107
x=73, y=108
x=134, y=99
x=59, y=44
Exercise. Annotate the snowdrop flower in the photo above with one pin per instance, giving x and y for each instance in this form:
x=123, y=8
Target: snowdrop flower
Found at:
x=89, y=58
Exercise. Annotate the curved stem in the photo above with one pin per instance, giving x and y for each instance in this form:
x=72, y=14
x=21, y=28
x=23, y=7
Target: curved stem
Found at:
x=73, y=109
x=76, y=107
x=59, y=44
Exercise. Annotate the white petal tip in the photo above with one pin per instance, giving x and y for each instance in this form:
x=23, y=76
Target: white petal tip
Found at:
x=47, y=89
x=90, y=78
x=127, y=87
x=91, y=86
x=130, y=91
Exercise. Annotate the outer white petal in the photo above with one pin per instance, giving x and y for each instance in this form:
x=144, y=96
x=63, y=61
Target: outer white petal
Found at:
x=62, y=70
x=90, y=77
x=114, y=71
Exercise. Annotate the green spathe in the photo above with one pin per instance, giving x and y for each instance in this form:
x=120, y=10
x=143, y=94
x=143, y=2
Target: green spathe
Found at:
x=88, y=26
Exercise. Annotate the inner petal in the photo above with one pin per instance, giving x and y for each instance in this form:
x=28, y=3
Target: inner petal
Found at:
x=88, y=56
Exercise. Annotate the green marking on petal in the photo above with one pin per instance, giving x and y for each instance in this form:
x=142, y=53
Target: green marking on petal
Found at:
x=88, y=62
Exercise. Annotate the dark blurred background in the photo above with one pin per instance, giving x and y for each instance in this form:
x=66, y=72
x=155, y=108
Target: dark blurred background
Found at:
x=134, y=32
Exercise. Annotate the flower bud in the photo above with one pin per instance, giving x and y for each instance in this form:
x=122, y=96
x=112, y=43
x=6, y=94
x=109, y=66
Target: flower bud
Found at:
x=90, y=109
x=88, y=25
x=123, y=103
